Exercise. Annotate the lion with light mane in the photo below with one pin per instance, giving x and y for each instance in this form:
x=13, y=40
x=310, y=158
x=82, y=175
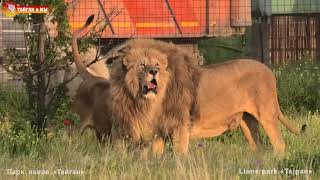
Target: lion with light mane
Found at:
x=204, y=102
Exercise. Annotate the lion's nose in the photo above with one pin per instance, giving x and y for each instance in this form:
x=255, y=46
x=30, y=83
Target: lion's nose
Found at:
x=153, y=71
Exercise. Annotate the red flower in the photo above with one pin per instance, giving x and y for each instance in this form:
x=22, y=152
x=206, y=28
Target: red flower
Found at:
x=67, y=122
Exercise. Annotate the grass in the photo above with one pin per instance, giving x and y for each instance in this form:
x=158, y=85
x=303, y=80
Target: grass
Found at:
x=223, y=157
x=216, y=158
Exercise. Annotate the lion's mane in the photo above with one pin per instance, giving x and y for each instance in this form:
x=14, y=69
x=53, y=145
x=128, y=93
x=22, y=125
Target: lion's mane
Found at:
x=178, y=100
x=135, y=115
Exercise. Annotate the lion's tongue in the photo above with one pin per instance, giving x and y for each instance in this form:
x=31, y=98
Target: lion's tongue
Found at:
x=151, y=86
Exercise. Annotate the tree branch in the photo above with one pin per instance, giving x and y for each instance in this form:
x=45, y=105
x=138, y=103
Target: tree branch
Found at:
x=105, y=16
x=12, y=72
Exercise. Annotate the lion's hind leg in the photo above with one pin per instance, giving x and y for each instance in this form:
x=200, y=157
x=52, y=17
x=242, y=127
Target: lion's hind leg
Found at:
x=273, y=132
x=250, y=128
x=83, y=127
x=270, y=124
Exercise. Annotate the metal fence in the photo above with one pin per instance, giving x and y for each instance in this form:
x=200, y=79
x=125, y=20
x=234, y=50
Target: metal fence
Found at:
x=11, y=36
x=294, y=38
x=271, y=31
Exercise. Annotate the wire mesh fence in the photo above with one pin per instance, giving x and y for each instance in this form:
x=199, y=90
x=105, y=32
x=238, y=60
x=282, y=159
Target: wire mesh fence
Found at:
x=294, y=38
x=271, y=31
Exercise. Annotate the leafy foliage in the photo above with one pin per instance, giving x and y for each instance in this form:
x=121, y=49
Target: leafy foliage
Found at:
x=220, y=49
x=299, y=86
x=45, y=56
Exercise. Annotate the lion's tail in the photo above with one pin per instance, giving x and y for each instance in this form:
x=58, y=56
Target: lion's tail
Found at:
x=84, y=73
x=286, y=123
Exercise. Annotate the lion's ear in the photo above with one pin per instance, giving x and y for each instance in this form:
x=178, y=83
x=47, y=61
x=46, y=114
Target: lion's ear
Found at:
x=125, y=62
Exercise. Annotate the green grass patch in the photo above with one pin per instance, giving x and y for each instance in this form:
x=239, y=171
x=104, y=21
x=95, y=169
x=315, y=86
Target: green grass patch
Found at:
x=207, y=159
x=223, y=157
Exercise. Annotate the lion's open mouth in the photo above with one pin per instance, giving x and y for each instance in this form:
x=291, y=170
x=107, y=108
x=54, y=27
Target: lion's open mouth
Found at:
x=150, y=87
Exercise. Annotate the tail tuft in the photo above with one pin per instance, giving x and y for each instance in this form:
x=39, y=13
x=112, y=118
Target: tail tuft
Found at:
x=286, y=123
x=89, y=20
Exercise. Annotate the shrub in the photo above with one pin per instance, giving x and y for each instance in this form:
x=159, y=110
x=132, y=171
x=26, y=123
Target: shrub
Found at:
x=15, y=131
x=299, y=86
x=62, y=113
x=16, y=134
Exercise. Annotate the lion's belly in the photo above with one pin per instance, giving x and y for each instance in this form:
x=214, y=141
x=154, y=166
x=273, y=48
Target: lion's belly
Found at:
x=218, y=101
x=210, y=125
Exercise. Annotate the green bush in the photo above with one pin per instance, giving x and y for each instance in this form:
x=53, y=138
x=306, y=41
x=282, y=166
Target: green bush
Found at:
x=15, y=131
x=16, y=134
x=11, y=99
x=63, y=112
x=220, y=49
x=299, y=86
x=14, y=108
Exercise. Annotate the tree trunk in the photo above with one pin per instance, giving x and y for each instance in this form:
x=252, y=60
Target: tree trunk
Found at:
x=318, y=38
x=40, y=121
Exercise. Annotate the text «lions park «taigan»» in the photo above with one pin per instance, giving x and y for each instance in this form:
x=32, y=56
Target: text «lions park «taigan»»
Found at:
x=87, y=91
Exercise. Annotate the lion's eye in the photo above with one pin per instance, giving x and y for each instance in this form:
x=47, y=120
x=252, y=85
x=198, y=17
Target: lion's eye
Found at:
x=157, y=65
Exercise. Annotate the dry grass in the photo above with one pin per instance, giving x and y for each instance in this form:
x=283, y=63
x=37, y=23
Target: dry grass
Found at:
x=222, y=157
x=216, y=158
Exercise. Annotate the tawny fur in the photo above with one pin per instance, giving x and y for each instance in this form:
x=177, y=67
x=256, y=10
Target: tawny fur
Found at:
x=178, y=106
x=93, y=99
x=181, y=92
x=99, y=102
x=239, y=86
x=134, y=114
x=193, y=102
x=206, y=101
x=118, y=104
x=93, y=105
x=98, y=69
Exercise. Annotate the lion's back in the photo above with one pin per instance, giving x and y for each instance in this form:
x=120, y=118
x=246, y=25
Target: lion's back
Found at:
x=90, y=89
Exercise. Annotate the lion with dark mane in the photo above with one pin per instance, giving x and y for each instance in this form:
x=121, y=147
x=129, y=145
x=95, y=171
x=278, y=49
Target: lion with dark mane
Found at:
x=135, y=100
x=179, y=101
x=130, y=101
x=159, y=91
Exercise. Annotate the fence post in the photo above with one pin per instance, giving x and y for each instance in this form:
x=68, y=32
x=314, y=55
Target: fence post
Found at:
x=259, y=35
x=264, y=39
